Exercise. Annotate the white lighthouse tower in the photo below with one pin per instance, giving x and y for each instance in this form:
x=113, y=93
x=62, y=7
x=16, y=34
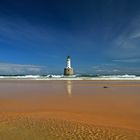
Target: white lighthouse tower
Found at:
x=68, y=70
x=68, y=62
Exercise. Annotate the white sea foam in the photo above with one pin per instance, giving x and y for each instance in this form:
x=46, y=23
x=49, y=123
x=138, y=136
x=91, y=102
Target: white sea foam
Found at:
x=119, y=76
x=32, y=76
x=74, y=77
x=20, y=77
x=56, y=76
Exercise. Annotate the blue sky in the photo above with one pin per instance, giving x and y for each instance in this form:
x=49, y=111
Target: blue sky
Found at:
x=101, y=36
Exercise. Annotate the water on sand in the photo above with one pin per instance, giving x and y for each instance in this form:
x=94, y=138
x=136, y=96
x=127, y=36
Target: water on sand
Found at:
x=69, y=110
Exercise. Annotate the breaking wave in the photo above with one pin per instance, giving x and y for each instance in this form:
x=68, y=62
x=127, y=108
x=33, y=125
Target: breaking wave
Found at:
x=74, y=77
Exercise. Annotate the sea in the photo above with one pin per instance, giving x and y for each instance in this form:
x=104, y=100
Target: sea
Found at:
x=74, y=77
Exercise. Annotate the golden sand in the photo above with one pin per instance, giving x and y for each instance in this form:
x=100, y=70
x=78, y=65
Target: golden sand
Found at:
x=73, y=110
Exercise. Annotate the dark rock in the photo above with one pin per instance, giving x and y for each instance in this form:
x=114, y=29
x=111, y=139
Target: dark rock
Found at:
x=105, y=87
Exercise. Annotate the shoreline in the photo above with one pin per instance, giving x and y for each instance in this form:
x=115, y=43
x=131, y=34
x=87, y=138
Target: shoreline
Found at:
x=71, y=79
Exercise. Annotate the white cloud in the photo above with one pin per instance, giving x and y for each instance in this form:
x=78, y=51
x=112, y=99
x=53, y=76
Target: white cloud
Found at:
x=136, y=34
x=126, y=43
x=6, y=68
x=132, y=60
x=106, y=68
x=116, y=70
x=20, y=29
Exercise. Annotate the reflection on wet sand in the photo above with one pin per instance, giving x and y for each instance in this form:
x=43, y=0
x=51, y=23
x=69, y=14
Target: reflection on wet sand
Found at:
x=69, y=88
x=74, y=110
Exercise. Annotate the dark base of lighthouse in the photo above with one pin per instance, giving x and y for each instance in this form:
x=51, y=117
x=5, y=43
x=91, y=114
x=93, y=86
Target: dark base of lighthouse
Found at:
x=68, y=71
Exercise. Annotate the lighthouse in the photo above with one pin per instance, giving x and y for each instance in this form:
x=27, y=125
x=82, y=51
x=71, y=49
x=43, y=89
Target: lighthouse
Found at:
x=68, y=71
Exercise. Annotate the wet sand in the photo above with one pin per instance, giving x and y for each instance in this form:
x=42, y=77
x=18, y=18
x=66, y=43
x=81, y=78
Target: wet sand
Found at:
x=100, y=110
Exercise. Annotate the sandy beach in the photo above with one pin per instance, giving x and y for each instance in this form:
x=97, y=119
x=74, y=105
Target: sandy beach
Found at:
x=73, y=110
